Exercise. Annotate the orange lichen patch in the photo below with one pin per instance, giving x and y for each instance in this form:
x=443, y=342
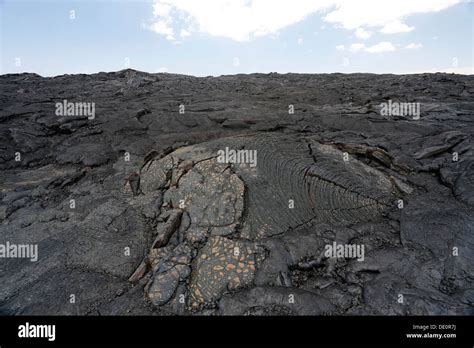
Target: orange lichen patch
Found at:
x=222, y=269
x=157, y=255
x=183, y=259
x=163, y=285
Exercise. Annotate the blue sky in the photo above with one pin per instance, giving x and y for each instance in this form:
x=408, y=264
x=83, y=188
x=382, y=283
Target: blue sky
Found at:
x=216, y=37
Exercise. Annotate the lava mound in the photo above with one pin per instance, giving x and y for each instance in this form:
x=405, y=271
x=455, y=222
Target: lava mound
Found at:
x=215, y=219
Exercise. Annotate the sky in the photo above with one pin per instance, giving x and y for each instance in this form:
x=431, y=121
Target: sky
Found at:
x=220, y=37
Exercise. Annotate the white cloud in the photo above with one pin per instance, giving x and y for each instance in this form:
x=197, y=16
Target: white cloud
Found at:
x=414, y=46
x=381, y=47
x=362, y=34
x=163, y=69
x=242, y=20
x=387, y=15
x=356, y=47
x=236, y=62
x=184, y=33
x=161, y=9
x=300, y=41
x=164, y=28
x=340, y=47
x=396, y=27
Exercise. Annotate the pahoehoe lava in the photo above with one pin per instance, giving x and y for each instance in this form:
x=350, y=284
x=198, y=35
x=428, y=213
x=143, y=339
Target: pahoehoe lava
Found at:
x=216, y=232
x=172, y=230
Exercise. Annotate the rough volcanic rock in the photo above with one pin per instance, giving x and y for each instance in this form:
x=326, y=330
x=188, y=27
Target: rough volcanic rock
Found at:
x=137, y=193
